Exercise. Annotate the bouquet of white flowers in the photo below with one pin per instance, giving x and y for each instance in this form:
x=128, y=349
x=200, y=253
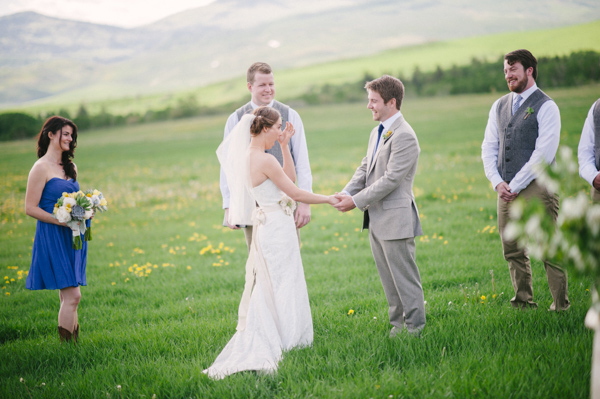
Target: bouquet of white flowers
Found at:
x=74, y=209
x=99, y=204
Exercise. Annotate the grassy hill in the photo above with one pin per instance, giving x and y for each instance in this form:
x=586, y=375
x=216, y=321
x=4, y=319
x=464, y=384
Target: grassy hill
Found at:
x=403, y=60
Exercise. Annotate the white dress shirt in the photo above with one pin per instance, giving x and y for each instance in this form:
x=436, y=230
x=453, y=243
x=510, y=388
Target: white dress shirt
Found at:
x=299, y=152
x=546, y=145
x=585, y=151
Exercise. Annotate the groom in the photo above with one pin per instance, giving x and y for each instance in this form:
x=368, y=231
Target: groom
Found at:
x=382, y=188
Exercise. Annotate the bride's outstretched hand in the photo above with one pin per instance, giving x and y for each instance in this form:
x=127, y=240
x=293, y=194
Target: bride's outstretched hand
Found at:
x=287, y=134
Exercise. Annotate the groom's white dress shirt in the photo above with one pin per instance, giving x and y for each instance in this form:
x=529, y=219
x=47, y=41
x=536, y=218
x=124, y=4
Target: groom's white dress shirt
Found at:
x=585, y=151
x=299, y=152
x=546, y=145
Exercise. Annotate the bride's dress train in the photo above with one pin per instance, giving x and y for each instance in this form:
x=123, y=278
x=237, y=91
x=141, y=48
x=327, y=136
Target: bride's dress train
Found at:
x=274, y=313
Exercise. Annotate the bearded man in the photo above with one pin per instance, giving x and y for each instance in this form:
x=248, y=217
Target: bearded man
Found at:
x=523, y=129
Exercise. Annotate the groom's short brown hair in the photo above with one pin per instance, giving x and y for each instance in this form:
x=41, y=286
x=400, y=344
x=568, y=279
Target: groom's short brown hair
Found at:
x=261, y=67
x=388, y=87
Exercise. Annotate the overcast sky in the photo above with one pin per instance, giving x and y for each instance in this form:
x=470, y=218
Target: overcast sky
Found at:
x=123, y=13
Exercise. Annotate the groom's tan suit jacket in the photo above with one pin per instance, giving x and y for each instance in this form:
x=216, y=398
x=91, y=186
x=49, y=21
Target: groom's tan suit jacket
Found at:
x=382, y=184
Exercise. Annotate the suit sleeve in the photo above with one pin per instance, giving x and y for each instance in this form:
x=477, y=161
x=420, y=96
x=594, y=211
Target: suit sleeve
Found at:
x=403, y=157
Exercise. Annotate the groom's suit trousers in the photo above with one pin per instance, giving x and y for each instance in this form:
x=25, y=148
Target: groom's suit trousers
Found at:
x=399, y=274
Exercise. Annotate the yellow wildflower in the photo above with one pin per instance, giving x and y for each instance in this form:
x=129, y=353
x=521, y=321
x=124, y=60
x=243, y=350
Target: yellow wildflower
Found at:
x=351, y=312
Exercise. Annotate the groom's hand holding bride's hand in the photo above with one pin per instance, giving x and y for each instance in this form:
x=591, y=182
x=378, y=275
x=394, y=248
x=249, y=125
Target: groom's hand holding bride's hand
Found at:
x=332, y=200
x=345, y=204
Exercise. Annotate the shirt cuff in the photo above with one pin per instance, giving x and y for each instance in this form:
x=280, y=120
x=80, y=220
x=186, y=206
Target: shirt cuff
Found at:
x=495, y=181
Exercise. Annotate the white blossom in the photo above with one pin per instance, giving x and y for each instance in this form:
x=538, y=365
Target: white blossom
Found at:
x=592, y=219
x=63, y=215
x=573, y=208
x=512, y=231
x=516, y=210
x=69, y=201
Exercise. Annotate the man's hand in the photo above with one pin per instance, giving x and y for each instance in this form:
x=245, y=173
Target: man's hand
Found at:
x=302, y=215
x=596, y=182
x=231, y=226
x=505, y=193
x=346, y=203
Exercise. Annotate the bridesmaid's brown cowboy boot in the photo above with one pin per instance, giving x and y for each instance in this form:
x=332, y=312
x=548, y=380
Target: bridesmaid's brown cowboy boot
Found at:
x=65, y=335
x=76, y=333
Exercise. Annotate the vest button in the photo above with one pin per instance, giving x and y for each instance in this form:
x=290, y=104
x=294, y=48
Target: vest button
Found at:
x=510, y=125
x=508, y=160
x=508, y=148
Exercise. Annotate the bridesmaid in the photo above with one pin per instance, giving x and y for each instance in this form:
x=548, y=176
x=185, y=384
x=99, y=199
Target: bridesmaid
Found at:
x=55, y=264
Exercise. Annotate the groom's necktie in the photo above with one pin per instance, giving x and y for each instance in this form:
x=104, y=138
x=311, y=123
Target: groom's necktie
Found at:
x=378, y=138
x=516, y=104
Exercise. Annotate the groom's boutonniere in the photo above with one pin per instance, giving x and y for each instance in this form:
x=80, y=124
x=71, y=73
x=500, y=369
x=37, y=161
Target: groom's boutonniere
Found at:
x=529, y=112
x=387, y=135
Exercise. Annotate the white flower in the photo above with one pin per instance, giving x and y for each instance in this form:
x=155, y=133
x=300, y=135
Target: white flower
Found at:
x=288, y=205
x=258, y=216
x=88, y=214
x=69, y=201
x=516, y=210
x=544, y=180
x=573, y=208
x=533, y=226
x=63, y=215
x=512, y=231
x=592, y=218
x=592, y=319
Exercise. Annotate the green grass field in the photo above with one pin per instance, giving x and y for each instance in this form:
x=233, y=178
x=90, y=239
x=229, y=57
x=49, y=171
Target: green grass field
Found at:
x=165, y=278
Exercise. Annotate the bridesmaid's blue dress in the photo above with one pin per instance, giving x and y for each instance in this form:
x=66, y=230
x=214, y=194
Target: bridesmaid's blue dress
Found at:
x=54, y=263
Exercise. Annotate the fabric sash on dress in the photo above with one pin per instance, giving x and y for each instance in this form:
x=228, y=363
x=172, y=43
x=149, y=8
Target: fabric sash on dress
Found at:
x=256, y=269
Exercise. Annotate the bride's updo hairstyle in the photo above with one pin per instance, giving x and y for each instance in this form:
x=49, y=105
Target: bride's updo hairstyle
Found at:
x=265, y=118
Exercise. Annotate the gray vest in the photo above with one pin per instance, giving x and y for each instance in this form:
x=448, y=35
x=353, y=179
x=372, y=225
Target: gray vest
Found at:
x=284, y=110
x=518, y=133
x=596, y=115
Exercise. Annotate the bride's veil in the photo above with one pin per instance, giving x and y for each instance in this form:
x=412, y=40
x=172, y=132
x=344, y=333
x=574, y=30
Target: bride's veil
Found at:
x=233, y=157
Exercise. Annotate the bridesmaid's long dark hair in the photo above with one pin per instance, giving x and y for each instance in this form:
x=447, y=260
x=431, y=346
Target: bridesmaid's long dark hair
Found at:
x=55, y=124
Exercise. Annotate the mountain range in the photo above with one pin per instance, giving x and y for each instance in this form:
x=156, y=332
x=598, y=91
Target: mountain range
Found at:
x=44, y=59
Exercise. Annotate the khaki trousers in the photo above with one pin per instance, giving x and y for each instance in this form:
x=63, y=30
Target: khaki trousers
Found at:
x=519, y=264
x=595, y=195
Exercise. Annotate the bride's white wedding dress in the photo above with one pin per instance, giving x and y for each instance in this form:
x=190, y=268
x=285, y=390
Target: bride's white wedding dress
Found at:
x=274, y=312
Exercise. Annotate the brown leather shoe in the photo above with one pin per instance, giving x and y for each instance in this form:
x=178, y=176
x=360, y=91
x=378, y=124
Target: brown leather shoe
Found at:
x=65, y=335
x=76, y=333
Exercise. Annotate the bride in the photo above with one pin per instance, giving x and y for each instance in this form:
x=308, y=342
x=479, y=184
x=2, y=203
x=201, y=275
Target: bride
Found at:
x=274, y=313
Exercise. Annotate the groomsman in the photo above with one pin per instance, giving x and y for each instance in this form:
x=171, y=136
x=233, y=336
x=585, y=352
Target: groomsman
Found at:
x=523, y=129
x=589, y=150
x=261, y=85
x=382, y=187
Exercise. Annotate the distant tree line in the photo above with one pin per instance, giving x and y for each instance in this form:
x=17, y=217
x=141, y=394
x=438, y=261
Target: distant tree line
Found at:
x=480, y=76
x=578, y=68
x=17, y=125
